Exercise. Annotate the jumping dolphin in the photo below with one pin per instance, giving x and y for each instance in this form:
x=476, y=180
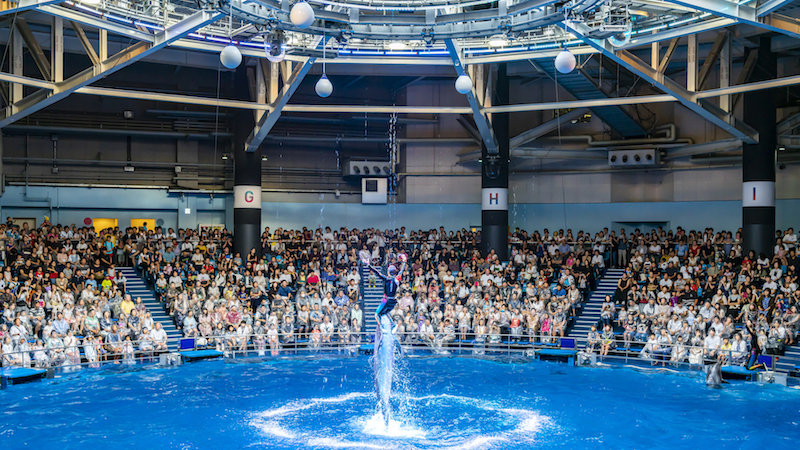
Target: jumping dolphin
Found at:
x=384, y=364
x=385, y=340
x=714, y=374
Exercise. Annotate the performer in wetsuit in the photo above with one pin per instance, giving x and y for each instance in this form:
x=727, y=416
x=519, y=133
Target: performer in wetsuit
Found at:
x=385, y=340
x=391, y=281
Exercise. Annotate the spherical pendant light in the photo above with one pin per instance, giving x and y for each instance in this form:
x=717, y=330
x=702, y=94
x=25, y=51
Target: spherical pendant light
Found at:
x=324, y=87
x=463, y=84
x=565, y=61
x=302, y=15
x=230, y=57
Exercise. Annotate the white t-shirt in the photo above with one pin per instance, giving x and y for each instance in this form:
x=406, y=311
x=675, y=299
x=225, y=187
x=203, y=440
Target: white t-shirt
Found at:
x=159, y=335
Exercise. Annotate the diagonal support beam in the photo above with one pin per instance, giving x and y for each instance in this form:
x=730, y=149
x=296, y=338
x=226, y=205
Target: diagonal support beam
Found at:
x=270, y=118
x=711, y=59
x=673, y=45
x=87, y=45
x=482, y=122
x=547, y=127
x=35, y=49
x=744, y=75
x=45, y=97
x=745, y=14
x=788, y=124
x=24, y=5
x=771, y=6
x=704, y=108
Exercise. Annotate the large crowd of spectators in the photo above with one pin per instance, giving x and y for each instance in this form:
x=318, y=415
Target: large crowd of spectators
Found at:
x=62, y=292
x=697, y=297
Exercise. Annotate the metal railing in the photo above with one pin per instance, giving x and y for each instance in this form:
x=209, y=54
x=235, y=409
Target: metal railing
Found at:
x=353, y=343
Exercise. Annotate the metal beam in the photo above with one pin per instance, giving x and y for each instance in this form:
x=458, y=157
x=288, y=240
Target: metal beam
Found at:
x=711, y=59
x=24, y=5
x=268, y=119
x=471, y=130
x=725, y=73
x=16, y=89
x=744, y=75
x=97, y=22
x=745, y=14
x=481, y=121
x=788, y=124
x=554, y=153
x=678, y=32
x=673, y=45
x=87, y=45
x=705, y=109
x=35, y=49
x=360, y=109
x=770, y=6
x=547, y=127
x=691, y=64
x=705, y=148
x=46, y=97
x=57, y=50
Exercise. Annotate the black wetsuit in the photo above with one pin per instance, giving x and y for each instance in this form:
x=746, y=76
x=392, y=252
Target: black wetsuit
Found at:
x=390, y=285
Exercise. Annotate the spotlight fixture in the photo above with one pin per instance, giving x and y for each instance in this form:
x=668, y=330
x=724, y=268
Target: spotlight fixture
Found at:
x=625, y=158
x=376, y=169
x=614, y=158
x=264, y=157
x=366, y=170
x=637, y=158
x=357, y=170
x=273, y=46
x=386, y=170
x=498, y=41
x=224, y=156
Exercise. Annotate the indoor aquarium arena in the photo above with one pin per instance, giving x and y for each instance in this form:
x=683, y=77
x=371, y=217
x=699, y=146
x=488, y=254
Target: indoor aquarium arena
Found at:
x=399, y=224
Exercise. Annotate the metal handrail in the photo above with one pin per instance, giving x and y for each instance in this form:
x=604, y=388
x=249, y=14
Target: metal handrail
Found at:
x=260, y=345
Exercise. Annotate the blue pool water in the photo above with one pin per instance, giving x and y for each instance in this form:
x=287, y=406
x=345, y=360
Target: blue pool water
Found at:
x=443, y=403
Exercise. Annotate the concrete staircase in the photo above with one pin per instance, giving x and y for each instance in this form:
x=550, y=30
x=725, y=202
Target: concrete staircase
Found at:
x=371, y=298
x=590, y=314
x=136, y=287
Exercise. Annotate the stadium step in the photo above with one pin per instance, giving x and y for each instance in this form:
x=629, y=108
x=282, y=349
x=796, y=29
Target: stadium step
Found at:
x=790, y=360
x=137, y=288
x=371, y=298
x=590, y=313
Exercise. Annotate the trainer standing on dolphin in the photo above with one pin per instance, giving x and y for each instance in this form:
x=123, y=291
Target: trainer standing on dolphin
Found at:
x=385, y=340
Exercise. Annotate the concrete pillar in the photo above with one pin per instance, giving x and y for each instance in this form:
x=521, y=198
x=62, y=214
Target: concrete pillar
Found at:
x=246, y=177
x=758, y=171
x=494, y=179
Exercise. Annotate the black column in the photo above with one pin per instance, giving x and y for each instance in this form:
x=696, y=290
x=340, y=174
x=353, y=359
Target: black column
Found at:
x=246, y=176
x=758, y=162
x=494, y=180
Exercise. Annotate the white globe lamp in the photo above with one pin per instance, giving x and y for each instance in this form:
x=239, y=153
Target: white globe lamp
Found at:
x=302, y=15
x=324, y=87
x=565, y=61
x=230, y=57
x=463, y=84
